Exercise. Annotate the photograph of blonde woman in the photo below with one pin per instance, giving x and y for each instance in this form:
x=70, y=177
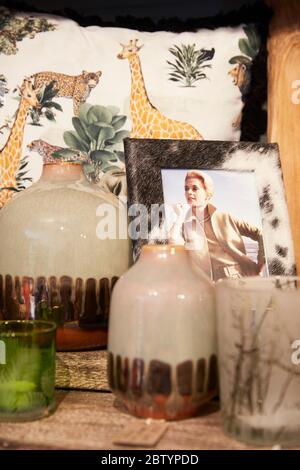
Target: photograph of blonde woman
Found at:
x=217, y=215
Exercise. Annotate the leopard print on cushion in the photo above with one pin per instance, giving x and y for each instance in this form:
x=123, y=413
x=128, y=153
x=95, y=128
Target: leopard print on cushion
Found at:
x=77, y=87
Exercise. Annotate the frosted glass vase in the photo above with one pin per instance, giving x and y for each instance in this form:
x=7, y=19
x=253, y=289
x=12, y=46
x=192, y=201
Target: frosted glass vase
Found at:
x=259, y=359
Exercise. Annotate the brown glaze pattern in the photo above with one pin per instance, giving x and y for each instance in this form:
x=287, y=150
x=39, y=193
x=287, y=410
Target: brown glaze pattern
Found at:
x=104, y=296
x=79, y=286
x=213, y=373
x=137, y=377
x=200, y=375
x=61, y=299
x=158, y=390
x=159, y=378
x=184, y=372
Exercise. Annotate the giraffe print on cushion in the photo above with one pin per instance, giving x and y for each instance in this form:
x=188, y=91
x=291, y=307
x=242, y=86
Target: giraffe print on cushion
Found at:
x=147, y=121
x=11, y=153
x=77, y=87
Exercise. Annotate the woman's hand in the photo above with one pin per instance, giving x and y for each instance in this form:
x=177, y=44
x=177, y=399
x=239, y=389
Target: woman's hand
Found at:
x=178, y=209
x=175, y=233
x=180, y=212
x=260, y=267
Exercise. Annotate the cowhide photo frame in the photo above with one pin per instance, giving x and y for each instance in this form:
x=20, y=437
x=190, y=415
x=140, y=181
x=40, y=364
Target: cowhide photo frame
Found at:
x=247, y=183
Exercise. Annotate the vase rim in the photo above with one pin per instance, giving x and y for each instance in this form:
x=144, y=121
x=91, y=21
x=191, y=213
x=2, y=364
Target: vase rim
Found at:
x=31, y=328
x=62, y=163
x=256, y=283
x=160, y=248
x=62, y=171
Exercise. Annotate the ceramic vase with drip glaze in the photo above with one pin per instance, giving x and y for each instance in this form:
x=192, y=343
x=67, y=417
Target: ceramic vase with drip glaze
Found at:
x=162, y=335
x=53, y=264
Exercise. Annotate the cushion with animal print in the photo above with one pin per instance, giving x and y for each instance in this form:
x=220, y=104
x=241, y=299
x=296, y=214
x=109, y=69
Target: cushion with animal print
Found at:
x=90, y=87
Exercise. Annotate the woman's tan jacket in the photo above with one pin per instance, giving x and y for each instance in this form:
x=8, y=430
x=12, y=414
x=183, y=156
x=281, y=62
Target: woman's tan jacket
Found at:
x=229, y=231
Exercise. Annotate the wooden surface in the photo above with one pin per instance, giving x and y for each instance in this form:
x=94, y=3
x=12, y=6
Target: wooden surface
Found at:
x=91, y=420
x=283, y=113
x=82, y=370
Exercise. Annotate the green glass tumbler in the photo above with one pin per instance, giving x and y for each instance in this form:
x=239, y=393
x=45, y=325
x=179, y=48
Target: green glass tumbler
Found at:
x=27, y=369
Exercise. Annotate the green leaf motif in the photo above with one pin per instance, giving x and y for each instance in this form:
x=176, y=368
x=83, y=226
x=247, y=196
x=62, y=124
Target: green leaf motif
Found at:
x=92, y=131
x=46, y=102
x=118, y=138
x=240, y=59
x=102, y=156
x=49, y=115
x=245, y=48
x=79, y=128
x=49, y=91
x=21, y=174
x=104, y=159
x=17, y=386
x=15, y=28
x=19, y=379
x=98, y=133
x=105, y=134
x=118, y=122
x=253, y=37
x=83, y=112
x=120, y=155
x=23, y=165
x=110, y=167
x=52, y=104
x=99, y=113
x=189, y=63
x=73, y=140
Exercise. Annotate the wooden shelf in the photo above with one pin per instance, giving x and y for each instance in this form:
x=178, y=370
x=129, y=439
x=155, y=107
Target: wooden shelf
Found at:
x=283, y=108
x=91, y=420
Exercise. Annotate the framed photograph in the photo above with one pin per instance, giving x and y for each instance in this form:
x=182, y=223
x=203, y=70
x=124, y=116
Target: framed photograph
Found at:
x=224, y=200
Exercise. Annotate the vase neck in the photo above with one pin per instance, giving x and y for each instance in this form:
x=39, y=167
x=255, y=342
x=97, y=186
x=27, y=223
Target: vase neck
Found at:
x=163, y=253
x=174, y=257
x=62, y=172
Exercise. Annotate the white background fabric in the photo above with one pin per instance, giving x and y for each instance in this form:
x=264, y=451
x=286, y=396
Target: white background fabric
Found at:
x=210, y=106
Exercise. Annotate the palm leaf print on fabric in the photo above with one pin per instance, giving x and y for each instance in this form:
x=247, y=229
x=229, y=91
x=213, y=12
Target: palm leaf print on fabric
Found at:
x=188, y=66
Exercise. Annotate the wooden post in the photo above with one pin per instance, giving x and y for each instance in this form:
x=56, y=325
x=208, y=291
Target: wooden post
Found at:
x=284, y=102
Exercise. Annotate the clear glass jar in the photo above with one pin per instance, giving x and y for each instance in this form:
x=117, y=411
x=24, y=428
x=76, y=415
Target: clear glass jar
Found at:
x=53, y=265
x=162, y=338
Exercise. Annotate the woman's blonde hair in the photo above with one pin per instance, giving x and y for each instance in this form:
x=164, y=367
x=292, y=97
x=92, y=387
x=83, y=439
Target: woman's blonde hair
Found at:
x=205, y=180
